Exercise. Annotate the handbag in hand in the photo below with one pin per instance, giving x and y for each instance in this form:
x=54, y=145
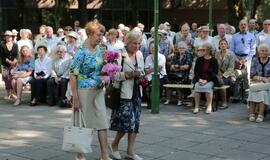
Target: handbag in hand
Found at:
x=77, y=139
x=112, y=94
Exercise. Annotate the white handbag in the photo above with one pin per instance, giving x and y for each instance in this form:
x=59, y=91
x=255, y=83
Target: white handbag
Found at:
x=77, y=139
x=256, y=87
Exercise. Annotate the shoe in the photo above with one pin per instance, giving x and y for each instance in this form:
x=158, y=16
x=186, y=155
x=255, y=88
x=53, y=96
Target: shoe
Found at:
x=235, y=100
x=133, y=157
x=196, y=110
x=259, y=119
x=33, y=102
x=245, y=101
x=7, y=97
x=208, y=110
x=251, y=117
x=17, y=102
x=167, y=102
x=223, y=106
x=80, y=156
x=114, y=154
x=179, y=103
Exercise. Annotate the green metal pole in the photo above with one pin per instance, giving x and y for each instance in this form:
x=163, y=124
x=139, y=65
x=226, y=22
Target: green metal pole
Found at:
x=210, y=4
x=155, y=80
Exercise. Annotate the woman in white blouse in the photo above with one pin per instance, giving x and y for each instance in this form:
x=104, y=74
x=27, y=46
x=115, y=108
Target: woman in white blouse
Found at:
x=149, y=70
x=43, y=69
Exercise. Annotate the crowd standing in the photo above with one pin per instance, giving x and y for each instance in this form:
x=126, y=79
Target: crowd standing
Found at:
x=64, y=69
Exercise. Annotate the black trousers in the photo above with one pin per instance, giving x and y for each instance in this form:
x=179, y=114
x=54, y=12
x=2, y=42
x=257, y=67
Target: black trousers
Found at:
x=39, y=89
x=57, y=91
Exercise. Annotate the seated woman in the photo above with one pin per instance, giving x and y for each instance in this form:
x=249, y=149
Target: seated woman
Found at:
x=43, y=69
x=180, y=67
x=225, y=69
x=149, y=70
x=22, y=72
x=57, y=84
x=206, y=70
x=259, y=88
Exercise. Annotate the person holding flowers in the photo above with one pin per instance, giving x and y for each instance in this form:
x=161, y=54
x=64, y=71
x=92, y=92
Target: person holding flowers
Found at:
x=126, y=119
x=85, y=82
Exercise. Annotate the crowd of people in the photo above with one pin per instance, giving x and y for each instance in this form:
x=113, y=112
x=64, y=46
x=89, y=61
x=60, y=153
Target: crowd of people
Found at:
x=64, y=69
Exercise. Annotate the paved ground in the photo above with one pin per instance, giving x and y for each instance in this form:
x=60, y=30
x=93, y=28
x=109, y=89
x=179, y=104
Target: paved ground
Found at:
x=35, y=133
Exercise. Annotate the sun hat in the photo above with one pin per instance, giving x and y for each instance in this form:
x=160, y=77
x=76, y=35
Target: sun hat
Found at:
x=8, y=33
x=73, y=34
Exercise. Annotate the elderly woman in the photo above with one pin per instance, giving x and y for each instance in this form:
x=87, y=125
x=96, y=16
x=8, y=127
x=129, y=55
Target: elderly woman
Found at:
x=206, y=70
x=43, y=69
x=149, y=70
x=25, y=39
x=85, y=80
x=126, y=119
x=185, y=36
x=180, y=67
x=259, y=88
x=22, y=72
x=57, y=84
x=226, y=69
x=9, y=54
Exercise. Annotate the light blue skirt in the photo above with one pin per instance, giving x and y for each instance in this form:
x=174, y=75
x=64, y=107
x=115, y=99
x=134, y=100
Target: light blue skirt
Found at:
x=208, y=87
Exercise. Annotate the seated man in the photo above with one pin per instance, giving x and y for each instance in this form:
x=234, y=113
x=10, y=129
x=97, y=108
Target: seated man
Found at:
x=57, y=84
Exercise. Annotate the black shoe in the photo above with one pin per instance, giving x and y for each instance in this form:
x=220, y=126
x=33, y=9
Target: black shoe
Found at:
x=51, y=103
x=235, y=100
x=245, y=101
x=33, y=104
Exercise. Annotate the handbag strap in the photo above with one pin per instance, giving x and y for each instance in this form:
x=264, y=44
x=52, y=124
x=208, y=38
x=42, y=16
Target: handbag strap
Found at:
x=82, y=122
x=122, y=64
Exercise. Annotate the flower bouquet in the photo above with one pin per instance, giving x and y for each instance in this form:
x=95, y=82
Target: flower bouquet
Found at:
x=110, y=68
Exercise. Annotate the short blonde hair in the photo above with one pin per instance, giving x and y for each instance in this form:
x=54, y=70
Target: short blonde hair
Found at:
x=209, y=48
x=92, y=26
x=133, y=36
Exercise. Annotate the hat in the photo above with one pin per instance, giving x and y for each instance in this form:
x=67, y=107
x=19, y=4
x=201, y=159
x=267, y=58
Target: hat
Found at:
x=14, y=31
x=167, y=23
x=73, y=34
x=60, y=30
x=162, y=32
x=8, y=33
x=204, y=28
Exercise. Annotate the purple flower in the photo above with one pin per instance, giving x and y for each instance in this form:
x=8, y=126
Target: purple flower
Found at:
x=112, y=56
x=111, y=69
x=105, y=79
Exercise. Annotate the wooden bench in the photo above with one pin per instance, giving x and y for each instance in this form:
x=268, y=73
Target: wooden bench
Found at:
x=190, y=86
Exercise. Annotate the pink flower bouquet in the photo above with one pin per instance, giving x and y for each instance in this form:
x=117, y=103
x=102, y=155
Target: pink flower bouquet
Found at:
x=110, y=68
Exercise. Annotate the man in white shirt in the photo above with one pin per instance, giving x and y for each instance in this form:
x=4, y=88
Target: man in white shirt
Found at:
x=221, y=35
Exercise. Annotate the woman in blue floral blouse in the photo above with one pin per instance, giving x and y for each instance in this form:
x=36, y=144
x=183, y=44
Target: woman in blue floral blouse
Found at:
x=22, y=72
x=85, y=85
x=259, y=92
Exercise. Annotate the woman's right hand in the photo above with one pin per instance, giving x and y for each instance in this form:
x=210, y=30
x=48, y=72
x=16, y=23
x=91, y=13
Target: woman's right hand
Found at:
x=76, y=104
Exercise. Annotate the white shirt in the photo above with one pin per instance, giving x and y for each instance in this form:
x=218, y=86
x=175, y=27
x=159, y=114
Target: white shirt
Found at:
x=45, y=66
x=149, y=63
x=119, y=45
x=216, y=39
x=25, y=42
x=198, y=41
x=262, y=37
x=61, y=67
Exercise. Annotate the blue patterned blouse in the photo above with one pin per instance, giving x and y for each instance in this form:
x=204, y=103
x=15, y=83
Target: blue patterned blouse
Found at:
x=259, y=69
x=26, y=66
x=87, y=66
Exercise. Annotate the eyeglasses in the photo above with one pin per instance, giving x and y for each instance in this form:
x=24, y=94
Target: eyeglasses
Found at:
x=242, y=40
x=68, y=29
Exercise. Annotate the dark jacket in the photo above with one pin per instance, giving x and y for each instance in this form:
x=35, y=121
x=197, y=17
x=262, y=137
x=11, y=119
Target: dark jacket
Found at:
x=211, y=72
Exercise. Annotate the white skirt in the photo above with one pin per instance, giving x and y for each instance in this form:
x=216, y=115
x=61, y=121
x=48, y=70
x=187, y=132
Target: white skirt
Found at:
x=260, y=96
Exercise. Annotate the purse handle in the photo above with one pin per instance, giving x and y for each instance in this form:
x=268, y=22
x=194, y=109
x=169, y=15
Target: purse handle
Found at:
x=82, y=122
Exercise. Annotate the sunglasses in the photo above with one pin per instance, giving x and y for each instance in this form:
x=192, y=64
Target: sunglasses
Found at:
x=242, y=40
